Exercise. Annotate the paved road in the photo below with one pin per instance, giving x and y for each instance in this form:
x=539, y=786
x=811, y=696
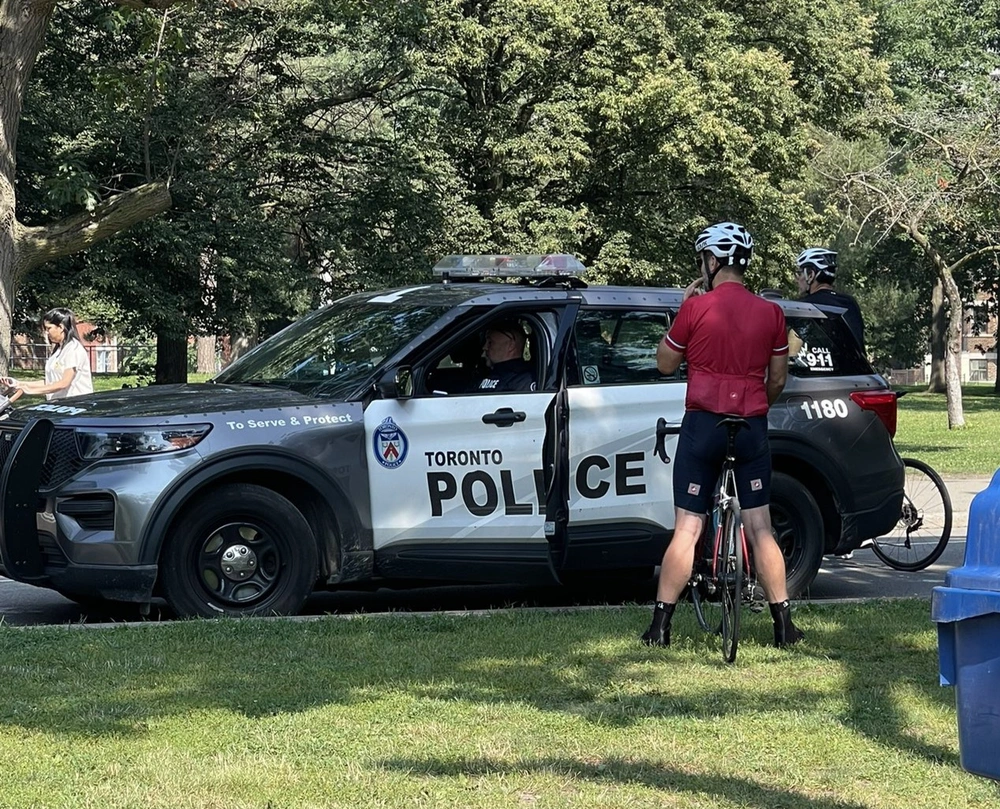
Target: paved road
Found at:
x=862, y=576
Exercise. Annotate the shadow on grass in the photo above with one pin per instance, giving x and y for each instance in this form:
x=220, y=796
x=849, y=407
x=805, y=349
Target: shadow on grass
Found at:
x=738, y=791
x=115, y=682
x=880, y=664
x=923, y=452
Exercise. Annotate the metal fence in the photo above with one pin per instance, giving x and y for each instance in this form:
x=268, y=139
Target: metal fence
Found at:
x=104, y=359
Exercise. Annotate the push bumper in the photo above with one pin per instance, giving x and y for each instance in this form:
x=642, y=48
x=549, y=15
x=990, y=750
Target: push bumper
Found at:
x=30, y=556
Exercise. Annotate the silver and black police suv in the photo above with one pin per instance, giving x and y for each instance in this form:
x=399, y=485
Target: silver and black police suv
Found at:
x=359, y=445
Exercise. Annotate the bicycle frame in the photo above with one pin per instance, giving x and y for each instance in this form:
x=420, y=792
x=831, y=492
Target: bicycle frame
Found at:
x=714, y=577
x=726, y=497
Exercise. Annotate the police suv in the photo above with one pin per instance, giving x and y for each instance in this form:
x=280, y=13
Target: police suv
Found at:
x=357, y=446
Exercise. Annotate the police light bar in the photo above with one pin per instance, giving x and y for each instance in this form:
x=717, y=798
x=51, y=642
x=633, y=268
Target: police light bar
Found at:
x=509, y=266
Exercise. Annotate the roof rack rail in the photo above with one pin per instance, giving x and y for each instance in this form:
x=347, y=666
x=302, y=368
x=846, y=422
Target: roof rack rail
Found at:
x=540, y=267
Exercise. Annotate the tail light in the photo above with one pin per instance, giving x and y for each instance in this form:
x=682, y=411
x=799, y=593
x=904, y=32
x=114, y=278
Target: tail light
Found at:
x=882, y=403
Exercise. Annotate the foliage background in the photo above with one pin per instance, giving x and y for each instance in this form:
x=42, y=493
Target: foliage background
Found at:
x=316, y=147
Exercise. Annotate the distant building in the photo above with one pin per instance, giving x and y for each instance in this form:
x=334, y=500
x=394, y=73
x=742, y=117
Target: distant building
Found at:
x=28, y=354
x=979, y=350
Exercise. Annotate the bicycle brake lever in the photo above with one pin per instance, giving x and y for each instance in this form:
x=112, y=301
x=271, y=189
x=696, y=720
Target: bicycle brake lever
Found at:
x=662, y=431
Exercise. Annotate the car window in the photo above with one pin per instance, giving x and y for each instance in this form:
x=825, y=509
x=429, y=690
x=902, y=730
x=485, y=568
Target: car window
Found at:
x=336, y=348
x=618, y=346
x=463, y=367
x=823, y=347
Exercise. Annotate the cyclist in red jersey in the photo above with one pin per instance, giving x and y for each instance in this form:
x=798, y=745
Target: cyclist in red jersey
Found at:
x=736, y=346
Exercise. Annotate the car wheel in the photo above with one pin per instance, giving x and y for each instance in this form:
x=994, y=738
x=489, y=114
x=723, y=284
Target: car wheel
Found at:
x=239, y=550
x=798, y=528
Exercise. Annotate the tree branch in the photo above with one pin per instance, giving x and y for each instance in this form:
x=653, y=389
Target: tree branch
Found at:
x=36, y=245
x=982, y=251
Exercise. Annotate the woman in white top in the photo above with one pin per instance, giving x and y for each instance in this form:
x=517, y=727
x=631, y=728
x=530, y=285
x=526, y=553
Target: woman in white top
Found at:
x=67, y=370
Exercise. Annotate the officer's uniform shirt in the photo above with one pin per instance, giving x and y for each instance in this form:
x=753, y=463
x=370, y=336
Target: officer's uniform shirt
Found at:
x=510, y=375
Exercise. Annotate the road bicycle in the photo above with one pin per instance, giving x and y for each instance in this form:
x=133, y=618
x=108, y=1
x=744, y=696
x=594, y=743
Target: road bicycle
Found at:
x=924, y=527
x=722, y=578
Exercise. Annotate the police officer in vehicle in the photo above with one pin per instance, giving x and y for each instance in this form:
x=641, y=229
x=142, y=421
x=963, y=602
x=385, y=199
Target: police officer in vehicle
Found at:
x=817, y=269
x=736, y=347
x=503, y=349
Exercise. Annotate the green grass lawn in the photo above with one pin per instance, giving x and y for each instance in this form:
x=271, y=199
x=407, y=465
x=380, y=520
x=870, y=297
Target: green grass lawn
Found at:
x=923, y=432
x=111, y=381
x=515, y=709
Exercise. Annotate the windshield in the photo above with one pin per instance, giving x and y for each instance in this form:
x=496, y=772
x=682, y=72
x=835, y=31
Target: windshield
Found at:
x=334, y=350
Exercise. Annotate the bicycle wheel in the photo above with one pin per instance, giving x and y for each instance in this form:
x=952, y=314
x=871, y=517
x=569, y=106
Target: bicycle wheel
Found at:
x=924, y=526
x=701, y=588
x=729, y=573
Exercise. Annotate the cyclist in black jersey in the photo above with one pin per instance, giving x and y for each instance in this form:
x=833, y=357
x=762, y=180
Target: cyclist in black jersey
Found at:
x=817, y=269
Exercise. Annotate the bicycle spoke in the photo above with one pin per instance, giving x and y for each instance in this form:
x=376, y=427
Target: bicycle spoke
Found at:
x=924, y=527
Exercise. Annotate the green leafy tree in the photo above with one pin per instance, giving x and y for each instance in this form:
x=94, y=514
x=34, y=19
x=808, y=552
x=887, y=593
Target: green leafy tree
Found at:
x=615, y=131
x=194, y=89
x=926, y=165
x=25, y=245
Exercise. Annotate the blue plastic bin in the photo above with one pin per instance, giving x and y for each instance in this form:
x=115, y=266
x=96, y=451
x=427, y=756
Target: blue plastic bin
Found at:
x=967, y=612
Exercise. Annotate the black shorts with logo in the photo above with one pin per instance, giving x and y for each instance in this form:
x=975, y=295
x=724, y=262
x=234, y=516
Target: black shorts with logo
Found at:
x=701, y=449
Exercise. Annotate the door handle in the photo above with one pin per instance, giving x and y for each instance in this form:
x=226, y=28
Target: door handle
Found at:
x=504, y=417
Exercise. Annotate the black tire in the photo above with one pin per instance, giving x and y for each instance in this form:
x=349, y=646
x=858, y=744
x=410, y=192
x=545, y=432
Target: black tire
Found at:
x=924, y=526
x=798, y=528
x=729, y=573
x=239, y=549
x=701, y=590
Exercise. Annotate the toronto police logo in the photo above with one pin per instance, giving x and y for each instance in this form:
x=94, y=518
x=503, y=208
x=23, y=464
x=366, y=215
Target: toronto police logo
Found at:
x=390, y=444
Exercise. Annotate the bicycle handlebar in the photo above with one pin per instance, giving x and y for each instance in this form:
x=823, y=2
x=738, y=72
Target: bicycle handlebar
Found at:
x=663, y=429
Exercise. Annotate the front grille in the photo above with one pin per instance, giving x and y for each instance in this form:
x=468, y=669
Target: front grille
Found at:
x=8, y=435
x=63, y=460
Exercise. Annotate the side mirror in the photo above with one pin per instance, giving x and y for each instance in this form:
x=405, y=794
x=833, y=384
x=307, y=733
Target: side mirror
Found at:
x=396, y=383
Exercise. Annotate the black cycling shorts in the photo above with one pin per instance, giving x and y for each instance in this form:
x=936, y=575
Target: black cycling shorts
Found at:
x=701, y=450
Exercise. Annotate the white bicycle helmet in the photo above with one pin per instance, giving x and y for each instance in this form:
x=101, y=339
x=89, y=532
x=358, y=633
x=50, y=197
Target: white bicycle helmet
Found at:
x=732, y=244
x=819, y=260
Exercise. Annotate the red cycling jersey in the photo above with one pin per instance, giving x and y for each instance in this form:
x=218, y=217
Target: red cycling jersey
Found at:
x=728, y=337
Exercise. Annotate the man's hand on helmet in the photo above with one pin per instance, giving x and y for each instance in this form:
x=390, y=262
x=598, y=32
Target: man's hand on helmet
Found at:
x=696, y=287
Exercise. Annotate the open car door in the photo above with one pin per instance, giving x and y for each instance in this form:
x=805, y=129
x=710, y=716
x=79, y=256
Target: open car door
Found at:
x=555, y=453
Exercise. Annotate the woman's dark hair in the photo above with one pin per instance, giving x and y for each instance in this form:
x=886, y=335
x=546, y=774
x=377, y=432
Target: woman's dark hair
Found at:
x=60, y=316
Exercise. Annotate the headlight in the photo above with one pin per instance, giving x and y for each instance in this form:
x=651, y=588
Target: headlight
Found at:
x=96, y=443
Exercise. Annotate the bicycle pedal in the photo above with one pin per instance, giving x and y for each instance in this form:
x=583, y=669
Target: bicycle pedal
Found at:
x=756, y=606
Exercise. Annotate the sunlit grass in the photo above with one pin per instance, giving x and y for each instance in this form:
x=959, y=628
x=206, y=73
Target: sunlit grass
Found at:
x=516, y=709
x=923, y=432
x=114, y=381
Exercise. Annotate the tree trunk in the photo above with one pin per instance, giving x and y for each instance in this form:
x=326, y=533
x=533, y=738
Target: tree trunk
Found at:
x=22, y=32
x=996, y=362
x=171, y=359
x=206, y=355
x=939, y=339
x=240, y=344
x=953, y=359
